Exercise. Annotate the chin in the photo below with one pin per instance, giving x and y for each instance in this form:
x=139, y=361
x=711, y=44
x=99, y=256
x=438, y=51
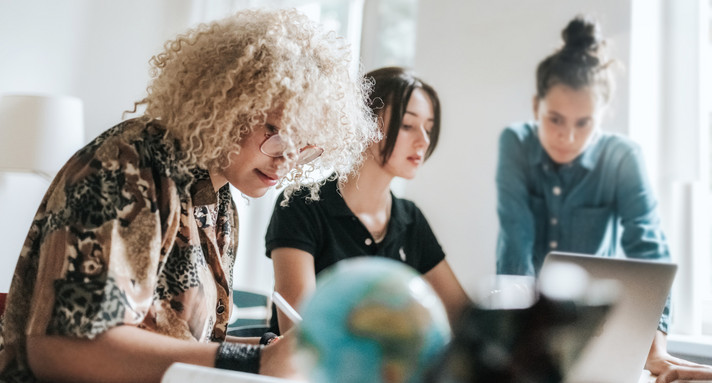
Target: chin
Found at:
x=408, y=176
x=254, y=193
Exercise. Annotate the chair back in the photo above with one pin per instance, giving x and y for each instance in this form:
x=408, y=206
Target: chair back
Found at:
x=3, y=298
x=250, y=309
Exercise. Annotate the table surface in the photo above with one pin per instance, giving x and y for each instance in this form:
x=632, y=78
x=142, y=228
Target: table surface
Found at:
x=187, y=373
x=646, y=377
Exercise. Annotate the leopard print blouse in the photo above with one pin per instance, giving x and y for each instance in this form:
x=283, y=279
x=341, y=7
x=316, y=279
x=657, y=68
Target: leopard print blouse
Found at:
x=127, y=234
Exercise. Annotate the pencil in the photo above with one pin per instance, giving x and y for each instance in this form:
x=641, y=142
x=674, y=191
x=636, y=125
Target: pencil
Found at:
x=288, y=310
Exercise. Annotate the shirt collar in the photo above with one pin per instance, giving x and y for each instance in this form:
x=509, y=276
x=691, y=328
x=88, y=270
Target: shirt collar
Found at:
x=202, y=191
x=335, y=205
x=186, y=176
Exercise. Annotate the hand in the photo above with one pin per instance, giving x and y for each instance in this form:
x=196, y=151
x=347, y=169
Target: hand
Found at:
x=668, y=368
x=277, y=358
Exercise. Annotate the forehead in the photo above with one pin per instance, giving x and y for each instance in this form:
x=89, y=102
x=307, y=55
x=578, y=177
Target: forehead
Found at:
x=274, y=116
x=565, y=99
x=420, y=104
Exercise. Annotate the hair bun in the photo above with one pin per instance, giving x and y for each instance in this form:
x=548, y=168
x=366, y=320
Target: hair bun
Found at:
x=582, y=34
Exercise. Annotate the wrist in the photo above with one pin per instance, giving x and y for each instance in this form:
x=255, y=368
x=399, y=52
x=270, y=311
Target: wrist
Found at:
x=269, y=338
x=238, y=357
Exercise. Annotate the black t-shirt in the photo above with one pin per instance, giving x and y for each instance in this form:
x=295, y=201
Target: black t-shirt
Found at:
x=328, y=230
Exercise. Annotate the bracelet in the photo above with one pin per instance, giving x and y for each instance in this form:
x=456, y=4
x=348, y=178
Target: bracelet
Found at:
x=269, y=338
x=238, y=357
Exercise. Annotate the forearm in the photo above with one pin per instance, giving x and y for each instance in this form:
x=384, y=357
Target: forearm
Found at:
x=121, y=354
x=293, y=278
x=448, y=288
x=243, y=340
x=659, y=347
x=514, y=251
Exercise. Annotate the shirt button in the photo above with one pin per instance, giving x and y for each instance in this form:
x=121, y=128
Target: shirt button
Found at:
x=368, y=241
x=553, y=244
x=554, y=221
x=556, y=190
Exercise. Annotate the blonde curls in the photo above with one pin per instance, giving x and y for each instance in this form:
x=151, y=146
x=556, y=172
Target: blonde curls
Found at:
x=214, y=84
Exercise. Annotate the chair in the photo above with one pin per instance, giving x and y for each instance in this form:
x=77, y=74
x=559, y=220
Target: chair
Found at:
x=251, y=313
x=3, y=298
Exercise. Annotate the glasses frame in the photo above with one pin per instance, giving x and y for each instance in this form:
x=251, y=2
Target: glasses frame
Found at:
x=306, y=154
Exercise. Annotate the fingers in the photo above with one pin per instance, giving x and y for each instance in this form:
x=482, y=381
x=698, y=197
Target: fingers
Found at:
x=689, y=371
x=277, y=358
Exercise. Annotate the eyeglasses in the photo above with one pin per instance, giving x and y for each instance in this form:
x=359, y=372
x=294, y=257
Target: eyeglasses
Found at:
x=274, y=147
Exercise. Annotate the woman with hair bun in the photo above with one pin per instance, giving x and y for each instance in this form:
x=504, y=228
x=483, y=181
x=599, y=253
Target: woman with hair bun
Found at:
x=128, y=264
x=564, y=184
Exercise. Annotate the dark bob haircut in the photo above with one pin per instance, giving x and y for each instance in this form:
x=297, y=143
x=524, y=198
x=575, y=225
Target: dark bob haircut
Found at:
x=392, y=87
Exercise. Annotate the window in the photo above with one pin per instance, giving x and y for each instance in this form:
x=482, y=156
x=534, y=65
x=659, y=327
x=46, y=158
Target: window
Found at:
x=671, y=116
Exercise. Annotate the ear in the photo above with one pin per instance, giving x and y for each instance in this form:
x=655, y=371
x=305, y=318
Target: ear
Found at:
x=535, y=107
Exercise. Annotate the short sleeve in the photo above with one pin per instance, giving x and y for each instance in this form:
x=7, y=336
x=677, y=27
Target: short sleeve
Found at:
x=98, y=244
x=295, y=225
x=431, y=250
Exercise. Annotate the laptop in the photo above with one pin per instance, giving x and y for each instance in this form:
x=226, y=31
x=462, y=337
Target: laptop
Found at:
x=618, y=351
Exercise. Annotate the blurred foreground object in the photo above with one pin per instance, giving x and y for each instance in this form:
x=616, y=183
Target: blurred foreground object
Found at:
x=499, y=339
x=189, y=373
x=371, y=319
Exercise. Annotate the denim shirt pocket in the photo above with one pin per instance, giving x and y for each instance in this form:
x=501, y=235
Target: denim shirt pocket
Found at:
x=591, y=230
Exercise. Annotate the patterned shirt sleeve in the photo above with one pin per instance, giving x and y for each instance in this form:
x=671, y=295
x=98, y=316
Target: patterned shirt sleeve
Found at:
x=97, y=243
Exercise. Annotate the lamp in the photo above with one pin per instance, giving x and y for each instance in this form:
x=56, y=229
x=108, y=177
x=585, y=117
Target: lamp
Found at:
x=39, y=133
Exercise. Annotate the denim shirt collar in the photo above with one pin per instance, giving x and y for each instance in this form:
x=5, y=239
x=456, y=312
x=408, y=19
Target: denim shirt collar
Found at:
x=586, y=160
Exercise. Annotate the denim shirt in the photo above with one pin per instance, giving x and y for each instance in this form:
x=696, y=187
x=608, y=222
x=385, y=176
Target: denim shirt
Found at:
x=601, y=203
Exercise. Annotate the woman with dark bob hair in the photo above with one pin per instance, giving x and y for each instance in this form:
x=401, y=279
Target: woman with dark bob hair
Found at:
x=361, y=216
x=128, y=264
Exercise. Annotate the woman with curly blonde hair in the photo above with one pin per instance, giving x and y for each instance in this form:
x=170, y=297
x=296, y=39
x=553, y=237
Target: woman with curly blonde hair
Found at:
x=128, y=264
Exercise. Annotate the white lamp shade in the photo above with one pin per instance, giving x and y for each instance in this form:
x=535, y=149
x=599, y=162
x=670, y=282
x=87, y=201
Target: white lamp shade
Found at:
x=39, y=133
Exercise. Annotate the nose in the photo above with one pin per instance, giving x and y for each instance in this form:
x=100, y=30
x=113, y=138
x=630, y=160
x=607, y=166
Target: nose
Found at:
x=282, y=166
x=423, y=136
x=567, y=134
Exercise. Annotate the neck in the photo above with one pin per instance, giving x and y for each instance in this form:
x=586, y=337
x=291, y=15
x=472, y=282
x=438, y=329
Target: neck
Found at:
x=368, y=191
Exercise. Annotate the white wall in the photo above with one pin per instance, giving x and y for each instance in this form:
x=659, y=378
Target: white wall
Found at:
x=481, y=56
x=96, y=50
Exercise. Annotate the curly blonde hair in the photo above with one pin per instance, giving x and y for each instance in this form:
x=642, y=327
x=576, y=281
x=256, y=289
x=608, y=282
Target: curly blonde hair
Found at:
x=216, y=83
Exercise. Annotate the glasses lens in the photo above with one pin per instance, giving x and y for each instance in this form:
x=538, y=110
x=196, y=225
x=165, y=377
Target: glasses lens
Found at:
x=273, y=146
x=309, y=154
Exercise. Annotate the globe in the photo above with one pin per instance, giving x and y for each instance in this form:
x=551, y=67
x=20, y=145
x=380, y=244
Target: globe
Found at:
x=371, y=320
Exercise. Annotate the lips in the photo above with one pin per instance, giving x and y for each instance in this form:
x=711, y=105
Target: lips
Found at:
x=269, y=180
x=416, y=159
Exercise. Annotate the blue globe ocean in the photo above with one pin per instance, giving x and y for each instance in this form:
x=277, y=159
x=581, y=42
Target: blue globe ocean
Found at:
x=371, y=320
